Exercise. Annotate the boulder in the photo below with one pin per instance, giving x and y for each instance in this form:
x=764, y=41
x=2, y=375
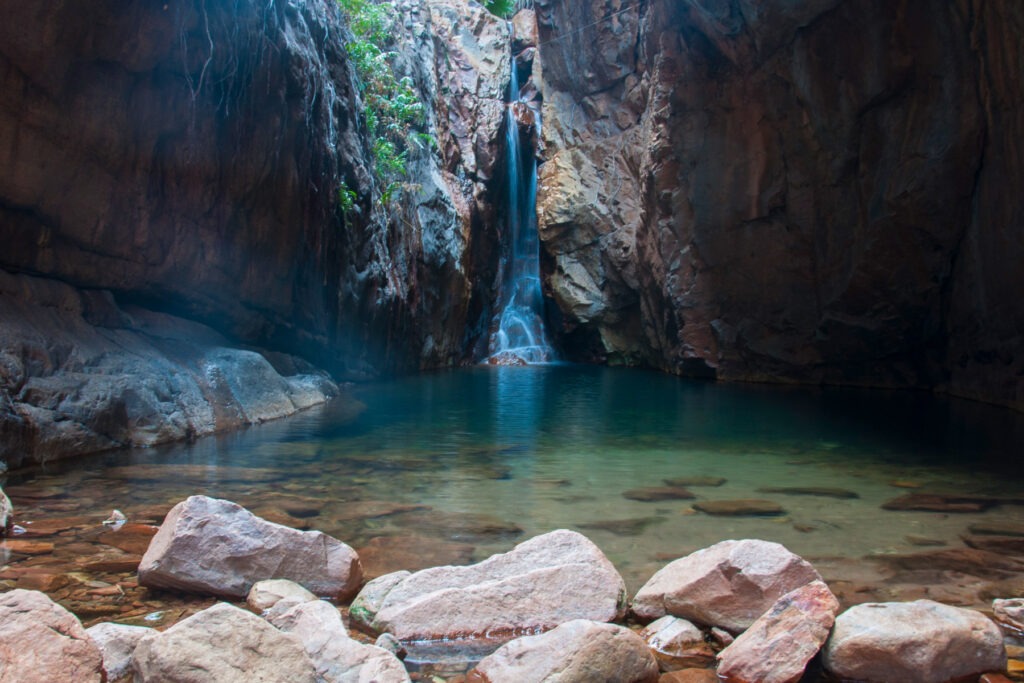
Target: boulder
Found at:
x=213, y=546
x=117, y=644
x=1010, y=613
x=6, y=510
x=41, y=642
x=578, y=650
x=777, y=647
x=336, y=657
x=266, y=594
x=728, y=585
x=224, y=644
x=541, y=583
x=912, y=642
x=677, y=644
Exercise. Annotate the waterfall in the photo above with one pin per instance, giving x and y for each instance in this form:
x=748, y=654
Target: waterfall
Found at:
x=520, y=337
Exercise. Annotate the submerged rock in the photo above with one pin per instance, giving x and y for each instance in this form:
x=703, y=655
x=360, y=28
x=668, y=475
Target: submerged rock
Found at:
x=938, y=502
x=214, y=546
x=579, y=650
x=539, y=584
x=912, y=642
x=117, y=643
x=777, y=647
x=999, y=528
x=819, y=491
x=337, y=658
x=41, y=642
x=657, y=493
x=224, y=644
x=386, y=554
x=677, y=644
x=742, y=507
x=728, y=585
x=697, y=480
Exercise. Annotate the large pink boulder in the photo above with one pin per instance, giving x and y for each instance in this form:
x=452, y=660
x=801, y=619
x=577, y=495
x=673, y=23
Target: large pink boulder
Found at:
x=912, y=642
x=213, y=546
x=41, y=642
x=777, y=647
x=224, y=644
x=728, y=585
x=541, y=583
x=578, y=650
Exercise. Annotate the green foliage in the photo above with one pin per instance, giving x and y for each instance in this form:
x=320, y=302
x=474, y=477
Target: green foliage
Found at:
x=392, y=107
x=500, y=8
x=346, y=198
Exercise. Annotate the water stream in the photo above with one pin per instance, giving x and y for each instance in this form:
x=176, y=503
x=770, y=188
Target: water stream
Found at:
x=520, y=335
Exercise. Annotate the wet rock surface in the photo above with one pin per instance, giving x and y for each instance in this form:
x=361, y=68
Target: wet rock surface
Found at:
x=216, y=547
x=574, y=651
x=41, y=642
x=917, y=642
x=677, y=644
x=539, y=584
x=728, y=585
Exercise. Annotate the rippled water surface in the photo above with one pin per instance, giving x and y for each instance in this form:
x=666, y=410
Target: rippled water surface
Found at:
x=451, y=467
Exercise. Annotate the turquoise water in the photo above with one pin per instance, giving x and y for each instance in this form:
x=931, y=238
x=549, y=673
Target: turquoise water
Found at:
x=485, y=457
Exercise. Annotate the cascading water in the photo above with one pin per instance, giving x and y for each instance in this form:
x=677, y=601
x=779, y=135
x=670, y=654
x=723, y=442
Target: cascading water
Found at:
x=520, y=336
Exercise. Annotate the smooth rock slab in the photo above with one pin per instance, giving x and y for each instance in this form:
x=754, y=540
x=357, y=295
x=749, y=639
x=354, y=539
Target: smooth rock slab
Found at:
x=266, y=594
x=541, y=583
x=223, y=644
x=912, y=642
x=728, y=585
x=213, y=546
x=117, y=643
x=578, y=650
x=659, y=493
x=337, y=657
x=777, y=647
x=41, y=642
x=677, y=644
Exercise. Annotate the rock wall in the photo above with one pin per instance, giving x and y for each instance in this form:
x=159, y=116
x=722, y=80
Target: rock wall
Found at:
x=187, y=156
x=820, y=192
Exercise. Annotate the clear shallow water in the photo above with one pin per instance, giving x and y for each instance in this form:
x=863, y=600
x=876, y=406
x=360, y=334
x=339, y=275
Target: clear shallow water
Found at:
x=485, y=457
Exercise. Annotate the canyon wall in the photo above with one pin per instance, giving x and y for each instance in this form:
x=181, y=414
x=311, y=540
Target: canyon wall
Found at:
x=818, y=192
x=184, y=159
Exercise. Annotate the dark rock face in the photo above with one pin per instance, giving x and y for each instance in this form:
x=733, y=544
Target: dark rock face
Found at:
x=816, y=192
x=188, y=157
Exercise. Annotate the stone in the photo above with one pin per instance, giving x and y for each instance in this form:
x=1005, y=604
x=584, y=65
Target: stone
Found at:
x=728, y=585
x=914, y=642
x=697, y=480
x=777, y=647
x=225, y=644
x=1010, y=613
x=539, y=584
x=818, y=491
x=26, y=547
x=117, y=644
x=214, y=546
x=265, y=594
x=1008, y=545
x=622, y=527
x=677, y=644
x=690, y=676
x=658, y=493
x=131, y=538
x=936, y=502
x=999, y=528
x=337, y=657
x=387, y=554
x=467, y=527
x=578, y=650
x=41, y=642
x=6, y=510
x=980, y=563
x=743, y=507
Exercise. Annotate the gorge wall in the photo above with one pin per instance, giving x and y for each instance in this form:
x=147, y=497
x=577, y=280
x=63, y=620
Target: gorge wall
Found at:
x=819, y=192
x=177, y=167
